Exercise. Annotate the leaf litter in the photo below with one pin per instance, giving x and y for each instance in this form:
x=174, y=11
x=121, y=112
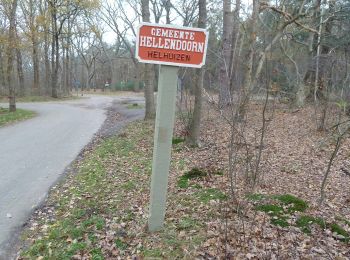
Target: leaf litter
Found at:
x=100, y=210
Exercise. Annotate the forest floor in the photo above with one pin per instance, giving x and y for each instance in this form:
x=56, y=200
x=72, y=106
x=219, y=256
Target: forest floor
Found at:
x=100, y=210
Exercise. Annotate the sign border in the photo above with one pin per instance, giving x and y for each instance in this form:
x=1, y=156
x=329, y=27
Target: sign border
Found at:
x=175, y=64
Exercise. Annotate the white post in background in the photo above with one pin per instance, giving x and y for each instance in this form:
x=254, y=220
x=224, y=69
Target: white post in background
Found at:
x=166, y=101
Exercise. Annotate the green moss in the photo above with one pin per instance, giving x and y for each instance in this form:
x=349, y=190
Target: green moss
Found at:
x=305, y=222
x=120, y=244
x=280, y=221
x=177, y=140
x=76, y=232
x=75, y=247
x=340, y=231
x=187, y=223
x=207, y=195
x=195, y=173
x=270, y=209
x=295, y=203
x=96, y=254
x=152, y=252
x=182, y=183
x=38, y=248
x=220, y=173
x=196, y=186
x=79, y=213
x=276, y=213
x=129, y=185
x=255, y=197
x=128, y=216
x=99, y=223
x=345, y=221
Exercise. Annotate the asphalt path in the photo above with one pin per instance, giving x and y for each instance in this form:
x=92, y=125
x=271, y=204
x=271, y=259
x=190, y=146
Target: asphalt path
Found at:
x=35, y=152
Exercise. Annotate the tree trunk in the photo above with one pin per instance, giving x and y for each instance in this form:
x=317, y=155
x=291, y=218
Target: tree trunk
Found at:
x=300, y=95
x=82, y=73
x=235, y=46
x=43, y=9
x=150, y=111
x=3, y=90
x=167, y=7
x=67, y=86
x=149, y=92
x=47, y=64
x=194, y=129
x=68, y=73
x=36, y=80
x=137, y=77
x=247, y=83
x=54, y=51
x=20, y=72
x=63, y=81
x=89, y=78
x=10, y=55
x=224, y=91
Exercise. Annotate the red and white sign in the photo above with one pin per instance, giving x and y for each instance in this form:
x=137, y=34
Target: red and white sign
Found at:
x=171, y=45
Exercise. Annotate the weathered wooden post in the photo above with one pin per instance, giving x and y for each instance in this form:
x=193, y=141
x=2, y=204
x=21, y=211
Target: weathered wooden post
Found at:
x=171, y=47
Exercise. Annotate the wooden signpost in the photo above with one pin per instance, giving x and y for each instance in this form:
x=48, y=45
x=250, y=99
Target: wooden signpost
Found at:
x=171, y=47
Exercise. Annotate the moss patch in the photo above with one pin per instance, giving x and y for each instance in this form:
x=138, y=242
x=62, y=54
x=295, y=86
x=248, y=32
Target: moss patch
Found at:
x=305, y=222
x=255, y=197
x=195, y=173
x=335, y=228
x=270, y=209
x=207, y=195
x=280, y=207
x=294, y=204
x=275, y=212
x=177, y=140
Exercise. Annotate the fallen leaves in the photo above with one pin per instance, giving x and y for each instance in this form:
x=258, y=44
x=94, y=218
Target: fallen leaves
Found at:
x=203, y=219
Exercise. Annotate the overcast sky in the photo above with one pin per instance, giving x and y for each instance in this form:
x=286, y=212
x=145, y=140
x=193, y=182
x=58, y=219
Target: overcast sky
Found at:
x=110, y=36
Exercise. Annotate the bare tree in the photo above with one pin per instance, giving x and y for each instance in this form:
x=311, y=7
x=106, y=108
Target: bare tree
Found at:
x=194, y=129
x=86, y=44
x=224, y=81
x=30, y=12
x=10, y=55
x=20, y=72
x=148, y=75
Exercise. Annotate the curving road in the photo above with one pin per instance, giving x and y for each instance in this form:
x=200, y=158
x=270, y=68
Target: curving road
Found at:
x=34, y=153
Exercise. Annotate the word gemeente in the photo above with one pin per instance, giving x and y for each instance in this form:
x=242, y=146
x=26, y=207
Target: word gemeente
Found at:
x=170, y=39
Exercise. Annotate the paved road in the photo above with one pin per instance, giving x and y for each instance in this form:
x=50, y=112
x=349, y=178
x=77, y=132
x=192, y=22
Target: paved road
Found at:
x=34, y=153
